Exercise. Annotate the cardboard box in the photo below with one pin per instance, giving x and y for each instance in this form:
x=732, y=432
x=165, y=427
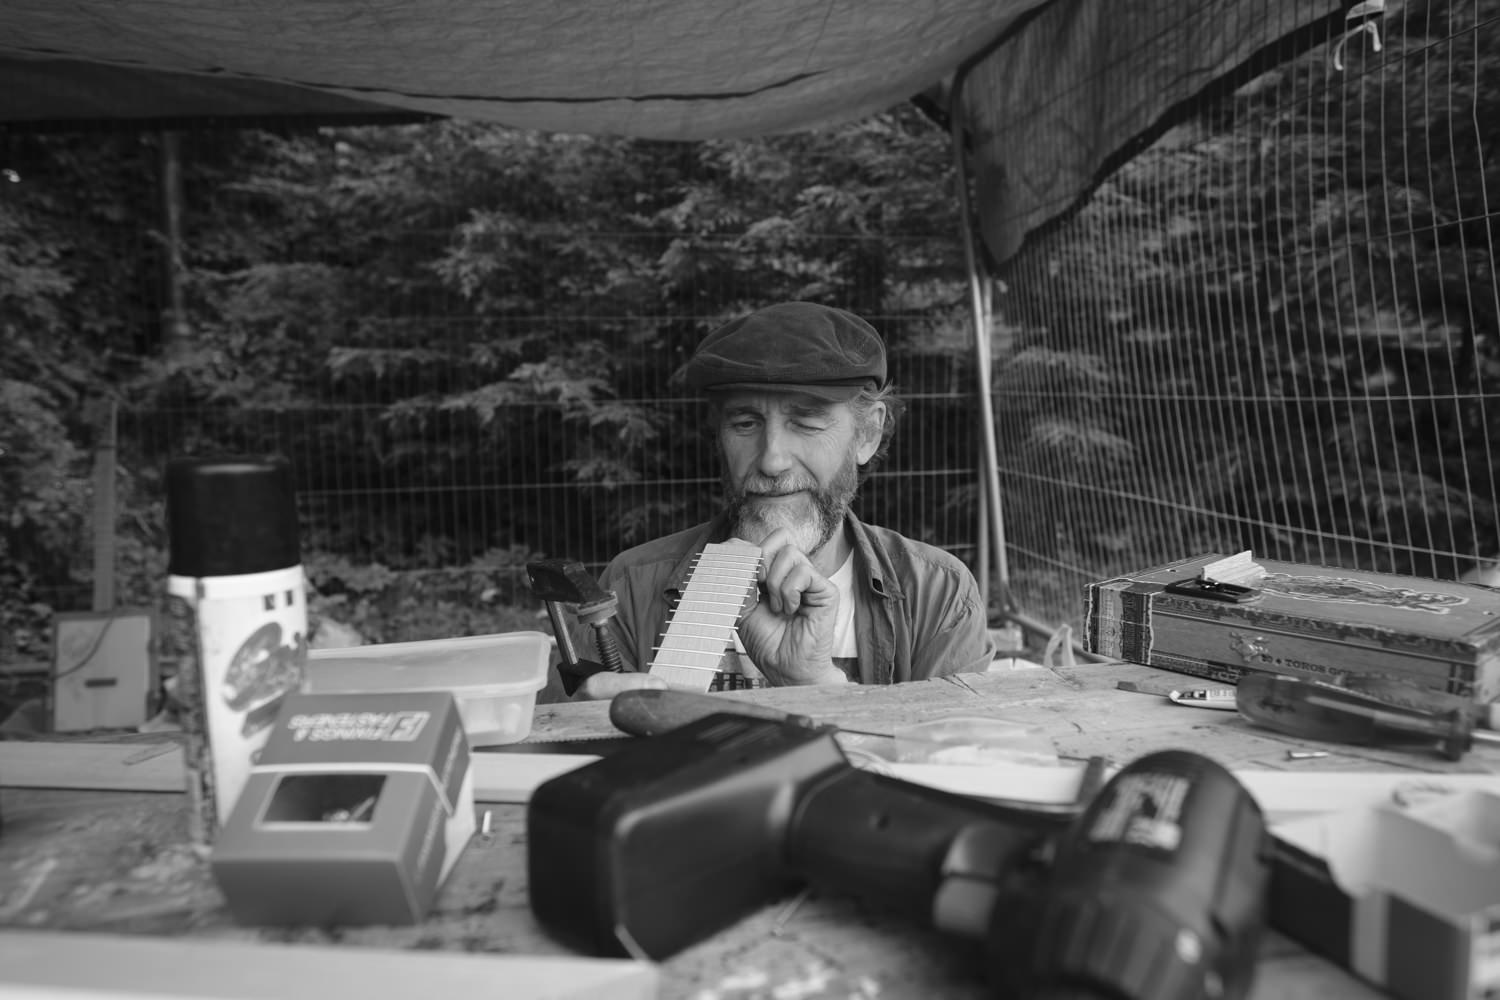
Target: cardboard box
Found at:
x=358, y=808
x=1406, y=898
x=1308, y=621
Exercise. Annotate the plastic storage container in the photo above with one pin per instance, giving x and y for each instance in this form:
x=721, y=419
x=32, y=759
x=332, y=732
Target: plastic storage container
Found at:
x=494, y=678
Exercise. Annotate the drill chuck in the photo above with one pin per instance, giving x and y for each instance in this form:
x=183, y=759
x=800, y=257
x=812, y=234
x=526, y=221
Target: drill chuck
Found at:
x=1157, y=892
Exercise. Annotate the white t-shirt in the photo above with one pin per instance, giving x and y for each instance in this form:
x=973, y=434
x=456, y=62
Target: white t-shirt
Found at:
x=845, y=642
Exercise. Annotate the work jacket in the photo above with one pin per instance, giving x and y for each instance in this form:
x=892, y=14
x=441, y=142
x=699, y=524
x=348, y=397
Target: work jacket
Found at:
x=917, y=611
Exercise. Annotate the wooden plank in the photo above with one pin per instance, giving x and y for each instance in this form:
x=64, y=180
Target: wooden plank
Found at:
x=510, y=778
x=1080, y=710
x=158, y=767
x=110, y=767
x=46, y=964
x=501, y=778
x=119, y=861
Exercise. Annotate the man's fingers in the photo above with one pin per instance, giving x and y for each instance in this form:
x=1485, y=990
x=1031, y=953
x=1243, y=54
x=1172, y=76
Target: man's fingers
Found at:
x=603, y=686
x=772, y=546
x=788, y=579
x=787, y=575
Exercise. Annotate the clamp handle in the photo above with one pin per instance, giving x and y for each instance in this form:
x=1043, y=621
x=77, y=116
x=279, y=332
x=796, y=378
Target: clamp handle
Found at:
x=564, y=581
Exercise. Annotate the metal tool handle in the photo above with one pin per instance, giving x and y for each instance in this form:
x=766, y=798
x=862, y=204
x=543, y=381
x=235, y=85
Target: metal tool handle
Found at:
x=1315, y=710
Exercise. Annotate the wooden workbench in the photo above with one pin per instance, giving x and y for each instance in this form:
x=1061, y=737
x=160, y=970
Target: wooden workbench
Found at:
x=119, y=861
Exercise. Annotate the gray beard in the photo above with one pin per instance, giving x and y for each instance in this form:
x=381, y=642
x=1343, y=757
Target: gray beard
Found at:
x=811, y=530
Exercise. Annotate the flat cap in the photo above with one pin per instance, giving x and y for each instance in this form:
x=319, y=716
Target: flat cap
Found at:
x=794, y=346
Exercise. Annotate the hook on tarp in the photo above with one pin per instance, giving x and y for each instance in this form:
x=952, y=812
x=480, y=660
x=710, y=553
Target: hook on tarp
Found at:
x=1362, y=19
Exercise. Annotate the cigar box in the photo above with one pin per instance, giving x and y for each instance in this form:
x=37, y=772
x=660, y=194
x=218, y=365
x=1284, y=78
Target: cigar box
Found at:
x=355, y=812
x=1438, y=639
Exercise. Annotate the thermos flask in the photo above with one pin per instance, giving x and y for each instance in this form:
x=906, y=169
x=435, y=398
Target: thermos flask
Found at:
x=236, y=614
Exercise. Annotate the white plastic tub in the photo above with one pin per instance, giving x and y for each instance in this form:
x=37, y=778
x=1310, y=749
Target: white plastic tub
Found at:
x=494, y=678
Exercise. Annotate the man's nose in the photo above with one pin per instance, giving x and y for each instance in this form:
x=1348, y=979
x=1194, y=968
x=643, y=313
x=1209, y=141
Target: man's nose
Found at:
x=775, y=452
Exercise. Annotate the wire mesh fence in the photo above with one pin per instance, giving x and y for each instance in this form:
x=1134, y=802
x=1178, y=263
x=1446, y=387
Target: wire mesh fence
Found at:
x=438, y=492
x=1275, y=329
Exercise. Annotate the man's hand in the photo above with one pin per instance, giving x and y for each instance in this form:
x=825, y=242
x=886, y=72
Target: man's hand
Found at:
x=788, y=634
x=604, y=686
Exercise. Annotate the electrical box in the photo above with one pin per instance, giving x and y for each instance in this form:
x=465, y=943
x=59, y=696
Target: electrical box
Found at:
x=102, y=669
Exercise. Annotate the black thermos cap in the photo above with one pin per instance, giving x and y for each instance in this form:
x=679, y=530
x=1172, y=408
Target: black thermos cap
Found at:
x=230, y=516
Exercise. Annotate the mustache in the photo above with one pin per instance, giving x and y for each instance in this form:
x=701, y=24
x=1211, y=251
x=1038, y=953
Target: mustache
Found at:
x=762, y=486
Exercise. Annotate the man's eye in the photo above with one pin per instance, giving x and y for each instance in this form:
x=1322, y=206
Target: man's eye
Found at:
x=741, y=426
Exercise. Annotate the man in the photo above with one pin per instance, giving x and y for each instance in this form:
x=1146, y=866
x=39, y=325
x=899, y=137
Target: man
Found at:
x=800, y=397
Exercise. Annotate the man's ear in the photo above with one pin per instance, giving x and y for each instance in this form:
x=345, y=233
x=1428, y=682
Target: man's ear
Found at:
x=871, y=430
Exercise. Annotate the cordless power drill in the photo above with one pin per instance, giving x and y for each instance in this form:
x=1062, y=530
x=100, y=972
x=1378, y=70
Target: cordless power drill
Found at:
x=1154, y=892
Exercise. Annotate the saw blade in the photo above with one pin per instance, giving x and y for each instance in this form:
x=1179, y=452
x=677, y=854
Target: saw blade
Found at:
x=596, y=745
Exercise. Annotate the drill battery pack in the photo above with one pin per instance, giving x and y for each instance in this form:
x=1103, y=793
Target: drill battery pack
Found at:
x=642, y=853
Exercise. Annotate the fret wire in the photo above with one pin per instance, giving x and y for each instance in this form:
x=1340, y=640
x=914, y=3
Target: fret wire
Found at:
x=723, y=624
x=722, y=638
x=687, y=666
x=723, y=583
x=728, y=553
x=700, y=627
x=710, y=576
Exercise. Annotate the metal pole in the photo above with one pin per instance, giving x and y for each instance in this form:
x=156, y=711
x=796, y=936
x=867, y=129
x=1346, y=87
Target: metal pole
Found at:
x=979, y=302
x=981, y=305
x=174, y=326
x=104, y=508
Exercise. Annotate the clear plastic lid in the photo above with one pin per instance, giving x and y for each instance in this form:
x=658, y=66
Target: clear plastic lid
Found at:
x=507, y=661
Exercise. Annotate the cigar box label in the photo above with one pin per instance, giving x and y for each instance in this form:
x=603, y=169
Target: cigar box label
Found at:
x=1349, y=590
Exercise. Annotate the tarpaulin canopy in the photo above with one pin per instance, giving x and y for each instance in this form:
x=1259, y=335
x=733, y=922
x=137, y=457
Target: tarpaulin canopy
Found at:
x=1052, y=92
x=666, y=69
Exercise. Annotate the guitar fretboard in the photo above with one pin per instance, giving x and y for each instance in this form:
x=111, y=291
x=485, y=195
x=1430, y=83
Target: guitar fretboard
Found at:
x=700, y=628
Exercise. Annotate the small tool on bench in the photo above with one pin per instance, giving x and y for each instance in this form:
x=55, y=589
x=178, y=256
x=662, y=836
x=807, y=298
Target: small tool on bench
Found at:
x=1217, y=697
x=562, y=581
x=1315, y=710
x=1220, y=698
